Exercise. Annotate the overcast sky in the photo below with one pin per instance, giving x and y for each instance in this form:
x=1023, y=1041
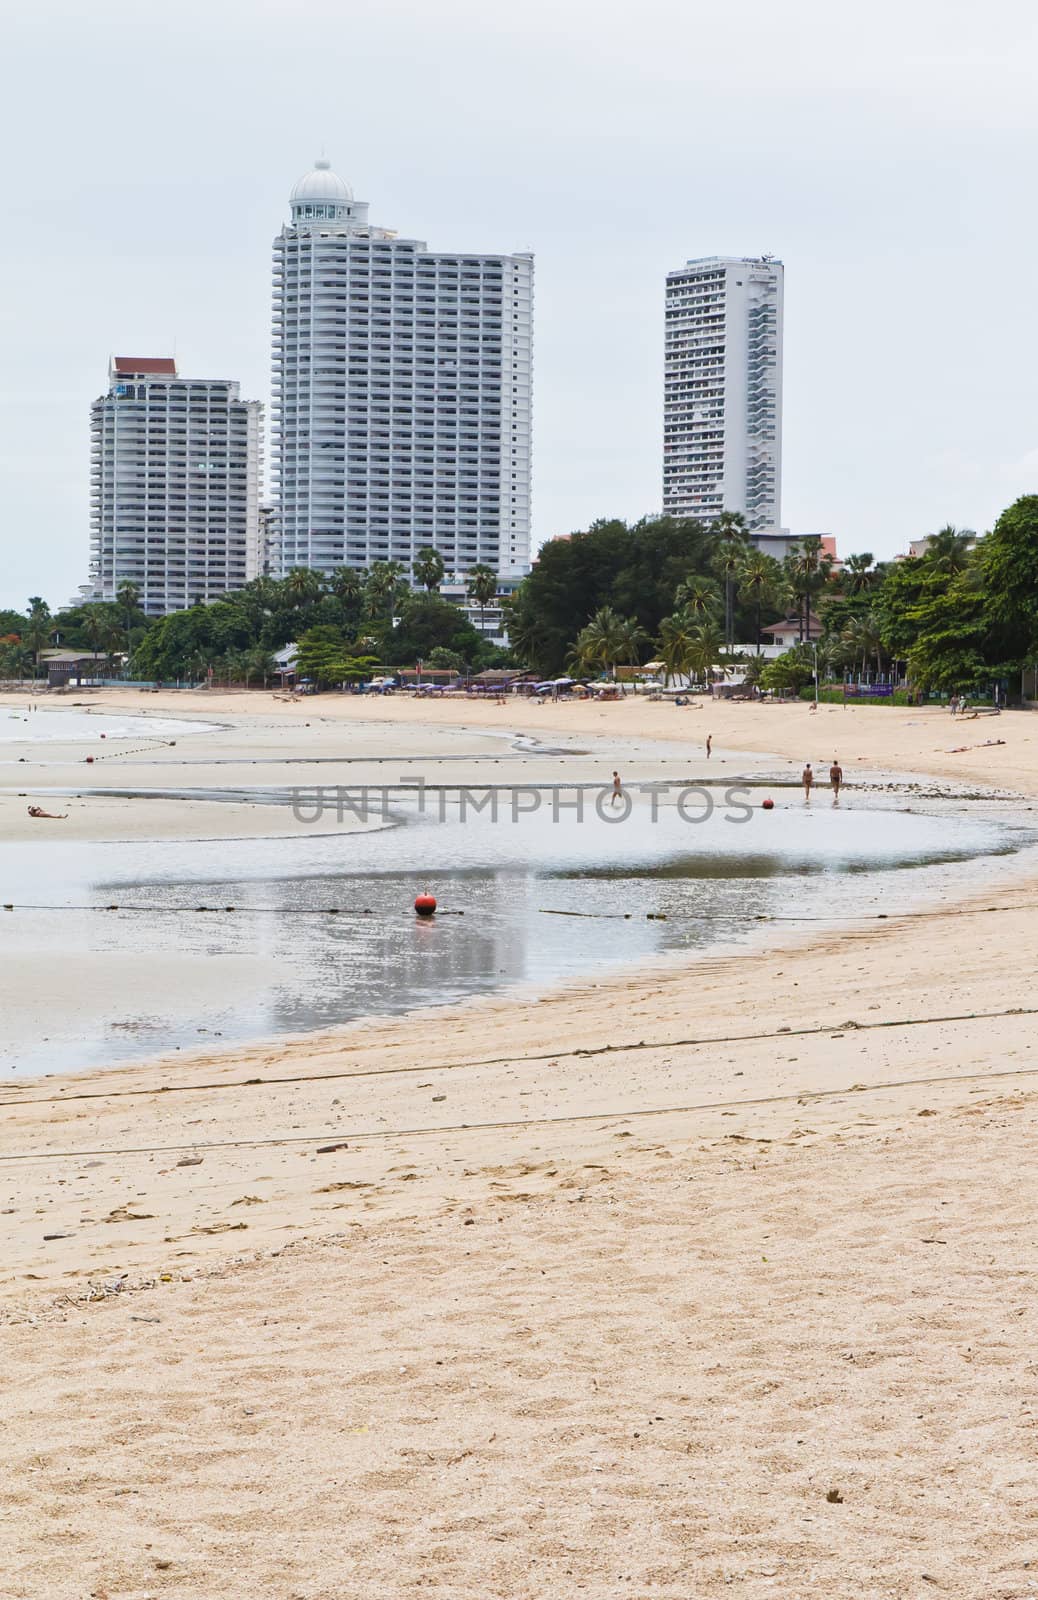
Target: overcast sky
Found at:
x=886, y=153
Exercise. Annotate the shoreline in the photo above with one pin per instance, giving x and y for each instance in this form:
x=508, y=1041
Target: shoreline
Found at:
x=533, y=1296
x=179, y=817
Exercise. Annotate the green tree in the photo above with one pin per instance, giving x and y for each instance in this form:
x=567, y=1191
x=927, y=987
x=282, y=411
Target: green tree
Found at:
x=708, y=650
x=1007, y=566
x=532, y=638
x=633, y=639
x=863, y=637
x=859, y=573
x=676, y=644
x=948, y=550
x=258, y=663
x=428, y=568
x=94, y=626
x=128, y=600
x=113, y=639
x=698, y=596
x=794, y=669
x=807, y=568
x=601, y=643
x=634, y=570
x=384, y=589
x=448, y=660
x=303, y=586
x=482, y=588
x=427, y=622
x=325, y=657
x=759, y=580
x=732, y=545
x=948, y=653
x=38, y=628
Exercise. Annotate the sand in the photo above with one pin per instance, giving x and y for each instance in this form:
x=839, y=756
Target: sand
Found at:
x=600, y=1296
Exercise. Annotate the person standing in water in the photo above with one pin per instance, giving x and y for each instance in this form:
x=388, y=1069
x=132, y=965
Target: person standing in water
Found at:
x=836, y=778
x=709, y=744
x=807, y=778
x=618, y=792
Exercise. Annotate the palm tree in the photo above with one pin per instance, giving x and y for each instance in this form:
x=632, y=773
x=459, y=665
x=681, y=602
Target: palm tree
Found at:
x=383, y=586
x=754, y=667
x=482, y=588
x=759, y=579
x=699, y=596
x=601, y=642
x=863, y=637
x=527, y=632
x=347, y=584
x=677, y=647
x=733, y=541
x=428, y=568
x=112, y=637
x=258, y=663
x=128, y=598
x=633, y=639
x=708, y=648
x=859, y=573
x=94, y=628
x=38, y=628
x=808, y=568
x=948, y=550
x=303, y=585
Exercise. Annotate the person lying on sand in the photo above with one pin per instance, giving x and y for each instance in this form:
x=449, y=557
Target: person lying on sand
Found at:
x=51, y=816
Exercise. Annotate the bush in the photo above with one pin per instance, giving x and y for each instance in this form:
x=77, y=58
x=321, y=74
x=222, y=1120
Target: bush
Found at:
x=832, y=694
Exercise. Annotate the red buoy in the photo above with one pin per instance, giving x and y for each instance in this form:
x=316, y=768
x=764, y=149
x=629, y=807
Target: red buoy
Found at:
x=767, y=805
x=90, y=758
x=425, y=904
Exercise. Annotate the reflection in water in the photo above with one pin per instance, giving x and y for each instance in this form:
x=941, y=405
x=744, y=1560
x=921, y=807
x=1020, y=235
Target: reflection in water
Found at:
x=535, y=903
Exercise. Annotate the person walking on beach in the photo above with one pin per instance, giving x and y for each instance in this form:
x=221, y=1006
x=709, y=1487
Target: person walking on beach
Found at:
x=709, y=744
x=618, y=792
x=807, y=778
x=836, y=778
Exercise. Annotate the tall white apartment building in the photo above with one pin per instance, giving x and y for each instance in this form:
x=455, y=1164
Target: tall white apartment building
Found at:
x=401, y=393
x=175, y=466
x=722, y=411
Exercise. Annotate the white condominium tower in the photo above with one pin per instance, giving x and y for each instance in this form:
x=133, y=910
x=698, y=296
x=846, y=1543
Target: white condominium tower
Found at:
x=174, y=485
x=401, y=393
x=722, y=409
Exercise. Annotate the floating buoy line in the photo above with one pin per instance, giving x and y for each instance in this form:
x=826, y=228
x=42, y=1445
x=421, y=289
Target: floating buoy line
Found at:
x=698, y=915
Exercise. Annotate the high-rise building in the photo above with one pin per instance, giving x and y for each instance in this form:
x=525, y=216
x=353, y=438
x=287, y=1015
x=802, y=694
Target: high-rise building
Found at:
x=401, y=393
x=722, y=422
x=174, y=485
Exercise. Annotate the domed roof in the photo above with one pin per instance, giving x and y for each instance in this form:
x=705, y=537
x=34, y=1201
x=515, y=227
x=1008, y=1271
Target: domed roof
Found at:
x=322, y=185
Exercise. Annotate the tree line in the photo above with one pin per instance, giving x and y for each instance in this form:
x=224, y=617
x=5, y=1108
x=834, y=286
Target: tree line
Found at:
x=957, y=618
x=960, y=617
x=346, y=624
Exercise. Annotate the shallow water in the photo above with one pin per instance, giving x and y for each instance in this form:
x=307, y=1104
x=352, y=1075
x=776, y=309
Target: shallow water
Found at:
x=323, y=928
x=18, y=726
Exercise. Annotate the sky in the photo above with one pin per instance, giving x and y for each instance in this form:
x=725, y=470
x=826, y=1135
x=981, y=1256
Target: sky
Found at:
x=885, y=153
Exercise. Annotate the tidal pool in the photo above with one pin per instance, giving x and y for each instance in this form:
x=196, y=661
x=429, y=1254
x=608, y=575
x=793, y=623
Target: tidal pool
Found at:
x=18, y=725
x=322, y=928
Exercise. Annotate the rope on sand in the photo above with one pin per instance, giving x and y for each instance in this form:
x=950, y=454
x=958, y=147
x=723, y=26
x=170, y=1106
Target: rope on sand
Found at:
x=342, y=1139
x=827, y=1029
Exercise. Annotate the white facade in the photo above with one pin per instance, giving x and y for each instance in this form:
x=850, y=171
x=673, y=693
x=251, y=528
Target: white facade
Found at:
x=722, y=446
x=401, y=393
x=490, y=621
x=174, y=486
x=781, y=542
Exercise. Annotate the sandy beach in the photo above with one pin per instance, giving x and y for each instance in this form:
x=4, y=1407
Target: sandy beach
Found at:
x=683, y=1281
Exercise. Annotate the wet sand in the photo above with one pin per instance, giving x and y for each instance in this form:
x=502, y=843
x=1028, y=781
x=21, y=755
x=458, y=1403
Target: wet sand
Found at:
x=602, y=1295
